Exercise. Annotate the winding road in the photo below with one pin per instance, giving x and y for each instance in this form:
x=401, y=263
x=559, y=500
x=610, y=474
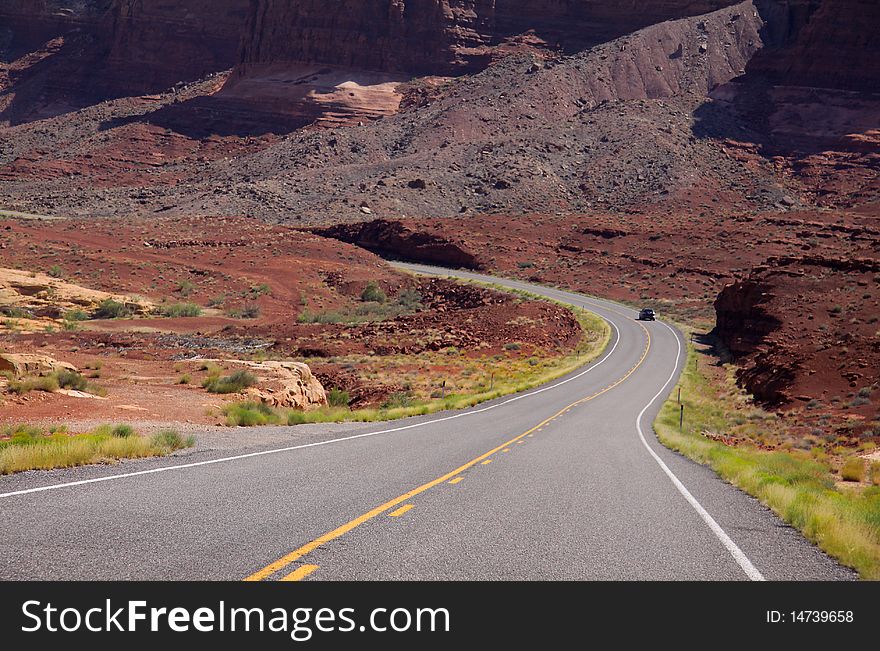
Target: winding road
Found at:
x=566, y=481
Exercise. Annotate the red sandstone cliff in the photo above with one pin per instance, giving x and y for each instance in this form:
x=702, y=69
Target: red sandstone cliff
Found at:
x=153, y=44
x=439, y=36
x=821, y=43
x=61, y=55
x=113, y=48
x=26, y=25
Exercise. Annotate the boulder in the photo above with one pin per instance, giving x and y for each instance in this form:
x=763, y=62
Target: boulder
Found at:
x=288, y=385
x=32, y=365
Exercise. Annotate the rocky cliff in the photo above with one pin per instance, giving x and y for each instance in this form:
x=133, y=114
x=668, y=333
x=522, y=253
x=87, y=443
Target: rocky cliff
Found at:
x=115, y=48
x=825, y=43
x=62, y=55
x=150, y=45
x=26, y=25
x=820, y=43
x=439, y=36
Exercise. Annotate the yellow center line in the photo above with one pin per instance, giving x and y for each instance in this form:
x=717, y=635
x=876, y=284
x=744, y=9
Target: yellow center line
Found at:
x=456, y=480
x=300, y=573
x=486, y=462
x=506, y=450
x=403, y=509
x=340, y=531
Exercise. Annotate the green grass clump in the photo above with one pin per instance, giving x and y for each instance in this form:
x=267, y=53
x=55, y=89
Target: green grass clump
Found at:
x=397, y=400
x=235, y=383
x=374, y=306
x=296, y=418
x=72, y=380
x=362, y=313
x=373, y=293
x=15, y=312
x=338, y=398
x=251, y=311
x=260, y=290
x=185, y=288
x=110, y=309
x=802, y=491
x=250, y=414
x=123, y=431
x=49, y=384
x=853, y=469
x=23, y=434
x=171, y=440
x=26, y=447
x=178, y=310
x=76, y=314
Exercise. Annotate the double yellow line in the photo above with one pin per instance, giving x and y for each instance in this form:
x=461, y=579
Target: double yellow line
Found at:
x=311, y=546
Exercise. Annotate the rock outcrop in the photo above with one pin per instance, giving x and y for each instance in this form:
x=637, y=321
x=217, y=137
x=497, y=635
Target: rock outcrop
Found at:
x=803, y=328
x=393, y=239
x=154, y=44
x=40, y=297
x=31, y=365
x=536, y=132
x=68, y=54
x=288, y=385
x=26, y=25
x=742, y=320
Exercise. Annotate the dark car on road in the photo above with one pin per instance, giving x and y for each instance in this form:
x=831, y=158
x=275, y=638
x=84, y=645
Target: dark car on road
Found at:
x=647, y=314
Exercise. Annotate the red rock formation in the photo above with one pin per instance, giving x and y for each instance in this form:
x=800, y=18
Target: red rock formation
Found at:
x=153, y=44
x=821, y=43
x=439, y=36
x=103, y=49
x=394, y=239
x=803, y=327
x=26, y=25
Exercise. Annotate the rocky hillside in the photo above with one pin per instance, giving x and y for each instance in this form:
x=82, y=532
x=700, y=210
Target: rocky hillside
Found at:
x=645, y=150
x=805, y=329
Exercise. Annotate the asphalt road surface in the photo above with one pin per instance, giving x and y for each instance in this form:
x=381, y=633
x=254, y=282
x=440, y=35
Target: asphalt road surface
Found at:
x=566, y=481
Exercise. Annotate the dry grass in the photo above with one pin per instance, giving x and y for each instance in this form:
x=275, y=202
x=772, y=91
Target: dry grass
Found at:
x=798, y=488
x=30, y=448
x=853, y=469
x=53, y=382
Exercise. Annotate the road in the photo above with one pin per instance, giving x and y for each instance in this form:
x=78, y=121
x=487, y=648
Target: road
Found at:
x=566, y=481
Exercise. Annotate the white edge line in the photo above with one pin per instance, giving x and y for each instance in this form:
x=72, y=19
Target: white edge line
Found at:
x=738, y=554
x=196, y=464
